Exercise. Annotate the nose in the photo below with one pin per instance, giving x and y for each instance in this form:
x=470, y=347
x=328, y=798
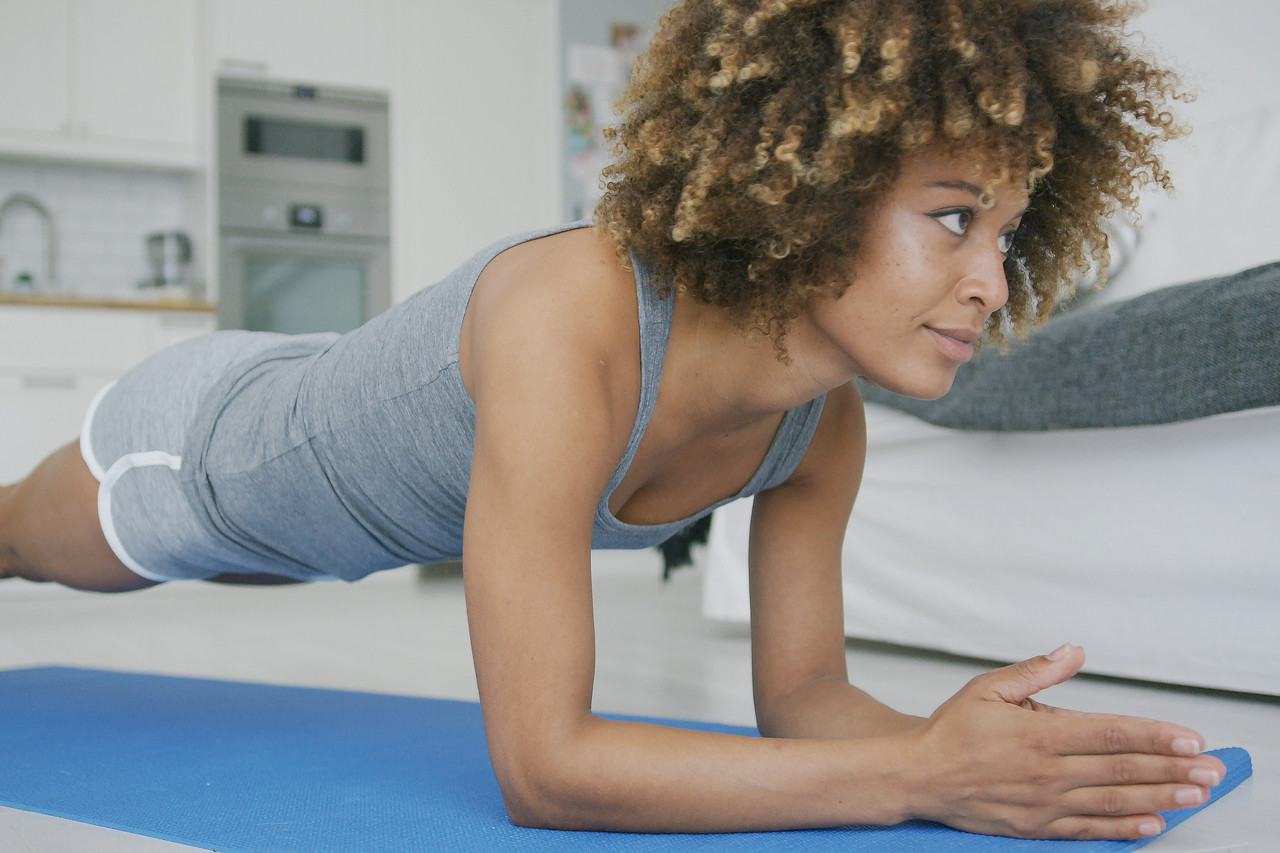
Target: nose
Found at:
x=984, y=285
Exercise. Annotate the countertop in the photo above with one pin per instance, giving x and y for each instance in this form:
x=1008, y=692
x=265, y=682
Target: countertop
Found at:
x=141, y=303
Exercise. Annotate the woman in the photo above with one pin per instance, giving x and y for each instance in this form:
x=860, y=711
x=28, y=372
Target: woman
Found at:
x=805, y=192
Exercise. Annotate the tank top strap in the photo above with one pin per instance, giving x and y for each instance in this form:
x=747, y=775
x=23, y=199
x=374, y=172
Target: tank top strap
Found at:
x=792, y=438
x=655, y=312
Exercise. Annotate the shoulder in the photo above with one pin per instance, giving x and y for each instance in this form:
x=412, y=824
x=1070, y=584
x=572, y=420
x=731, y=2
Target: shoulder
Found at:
x=836, y=453
x=555, y=318
x=562, y=292
x=808, y=513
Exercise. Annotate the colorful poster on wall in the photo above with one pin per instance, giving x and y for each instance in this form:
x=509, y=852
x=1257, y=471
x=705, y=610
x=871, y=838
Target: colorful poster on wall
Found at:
x=595, y=76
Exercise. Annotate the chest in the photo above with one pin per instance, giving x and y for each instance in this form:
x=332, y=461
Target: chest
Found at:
x=677, y=472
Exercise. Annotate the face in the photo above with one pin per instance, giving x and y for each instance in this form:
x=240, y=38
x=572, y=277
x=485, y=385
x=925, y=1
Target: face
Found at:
x=929, y=274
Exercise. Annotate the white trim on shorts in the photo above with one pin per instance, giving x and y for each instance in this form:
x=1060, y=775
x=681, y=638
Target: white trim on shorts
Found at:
x=86, y=447
x=108, y=478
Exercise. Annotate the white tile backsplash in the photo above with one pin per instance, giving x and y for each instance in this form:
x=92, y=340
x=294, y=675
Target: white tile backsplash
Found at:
x=102, y=215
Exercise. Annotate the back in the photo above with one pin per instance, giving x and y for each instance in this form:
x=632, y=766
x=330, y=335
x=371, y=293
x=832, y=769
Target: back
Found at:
x=378, y=417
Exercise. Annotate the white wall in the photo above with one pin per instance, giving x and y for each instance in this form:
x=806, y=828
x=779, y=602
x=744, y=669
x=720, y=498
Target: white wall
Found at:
x=1226, y=172
x=1225, y=51
x=474, y=114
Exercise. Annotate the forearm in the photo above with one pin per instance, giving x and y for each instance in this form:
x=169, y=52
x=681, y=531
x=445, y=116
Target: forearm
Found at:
x=830, y=708
x=626, y=776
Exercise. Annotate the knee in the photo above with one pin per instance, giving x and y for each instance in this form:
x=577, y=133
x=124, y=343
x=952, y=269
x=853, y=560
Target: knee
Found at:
x=8, y=553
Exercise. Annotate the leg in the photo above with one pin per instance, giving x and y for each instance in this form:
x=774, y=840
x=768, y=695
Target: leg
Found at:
x=255, y=579
x=49, y=529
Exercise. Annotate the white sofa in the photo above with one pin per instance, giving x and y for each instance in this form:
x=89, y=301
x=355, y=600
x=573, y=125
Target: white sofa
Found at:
x=1156, y=547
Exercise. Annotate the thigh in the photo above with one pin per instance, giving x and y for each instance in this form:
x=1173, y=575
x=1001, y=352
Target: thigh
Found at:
x=252, y=579
x=49, y=528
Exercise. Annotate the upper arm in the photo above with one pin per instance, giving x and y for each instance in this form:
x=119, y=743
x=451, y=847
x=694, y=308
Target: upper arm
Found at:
x=550, y=427
x=797, y=534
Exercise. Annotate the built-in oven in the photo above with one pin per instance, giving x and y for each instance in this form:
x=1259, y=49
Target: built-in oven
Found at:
x=304, y=207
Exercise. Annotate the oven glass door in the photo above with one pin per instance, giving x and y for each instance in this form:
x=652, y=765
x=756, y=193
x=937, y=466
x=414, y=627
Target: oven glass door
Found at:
x=297, y=285
x=297, y=295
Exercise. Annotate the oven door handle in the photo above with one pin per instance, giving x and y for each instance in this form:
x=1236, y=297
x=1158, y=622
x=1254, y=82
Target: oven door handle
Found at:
x=317, y=244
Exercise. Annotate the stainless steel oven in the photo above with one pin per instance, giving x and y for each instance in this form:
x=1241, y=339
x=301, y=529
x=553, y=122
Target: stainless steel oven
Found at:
x=304, y=209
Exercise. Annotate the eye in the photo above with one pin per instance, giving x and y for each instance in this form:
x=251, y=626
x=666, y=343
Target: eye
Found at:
x=1005, y=242
x=957, y=221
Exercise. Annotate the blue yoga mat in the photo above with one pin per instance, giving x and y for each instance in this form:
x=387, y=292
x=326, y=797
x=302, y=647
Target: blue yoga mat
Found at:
x=250, y=768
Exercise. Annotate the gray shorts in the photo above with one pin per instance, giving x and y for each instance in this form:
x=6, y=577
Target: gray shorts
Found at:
x=133, y=440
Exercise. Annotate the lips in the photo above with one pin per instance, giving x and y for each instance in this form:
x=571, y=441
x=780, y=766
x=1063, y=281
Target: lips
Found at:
x=955, y=344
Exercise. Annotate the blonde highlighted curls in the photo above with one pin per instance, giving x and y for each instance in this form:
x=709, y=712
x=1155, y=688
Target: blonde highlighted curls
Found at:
x=758, y=135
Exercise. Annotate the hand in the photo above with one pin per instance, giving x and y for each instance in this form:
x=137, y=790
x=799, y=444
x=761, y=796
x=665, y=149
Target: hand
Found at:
x=996, y=761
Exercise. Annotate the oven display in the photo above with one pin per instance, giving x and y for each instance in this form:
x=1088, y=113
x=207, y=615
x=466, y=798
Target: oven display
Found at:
x=306, y=140
x=306, y=216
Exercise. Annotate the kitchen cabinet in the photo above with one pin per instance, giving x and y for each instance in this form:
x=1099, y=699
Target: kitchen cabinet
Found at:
x=35, y=65
x=103, y=80
x=54, y=359
x=337, y=42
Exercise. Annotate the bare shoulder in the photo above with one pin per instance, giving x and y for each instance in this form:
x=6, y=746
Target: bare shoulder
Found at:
x=566, y=283
x=809, y=512
x=549, y=349
x=564, y=301
x=838, y=449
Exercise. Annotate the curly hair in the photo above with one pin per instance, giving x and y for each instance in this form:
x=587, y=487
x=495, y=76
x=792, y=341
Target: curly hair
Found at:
x=758, y=136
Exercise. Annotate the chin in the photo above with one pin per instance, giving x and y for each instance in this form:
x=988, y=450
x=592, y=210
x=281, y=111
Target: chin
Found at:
x=920, y=389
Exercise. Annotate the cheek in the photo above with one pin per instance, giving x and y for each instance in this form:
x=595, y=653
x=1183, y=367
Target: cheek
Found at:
x=900, y=251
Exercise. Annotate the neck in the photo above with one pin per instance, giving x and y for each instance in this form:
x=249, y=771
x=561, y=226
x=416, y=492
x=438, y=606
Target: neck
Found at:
x=726, y=377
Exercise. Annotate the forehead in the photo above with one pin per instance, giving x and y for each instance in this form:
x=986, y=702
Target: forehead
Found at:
x=972, y=169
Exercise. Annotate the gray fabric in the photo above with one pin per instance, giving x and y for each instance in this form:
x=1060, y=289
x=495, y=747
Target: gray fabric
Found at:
x=788, y=446
x=336, y=456
x=149, y=410
x=1173, y=354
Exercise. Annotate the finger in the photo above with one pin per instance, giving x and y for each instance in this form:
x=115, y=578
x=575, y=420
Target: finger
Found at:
x=1091, y=715
x=1089, y=771
x=1016, y=684
x=1103, y=735
x=1035, y=705
x=1094, y=828
x=1064, y=712
x=1127, y=800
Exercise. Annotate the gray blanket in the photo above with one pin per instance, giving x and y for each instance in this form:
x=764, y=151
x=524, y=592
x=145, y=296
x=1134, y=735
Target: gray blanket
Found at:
x=1173, y=354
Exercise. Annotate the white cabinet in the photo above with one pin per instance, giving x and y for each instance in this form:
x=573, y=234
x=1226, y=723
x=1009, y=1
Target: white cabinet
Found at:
x=135, y=70
x=338, y=42
x=106, y=80
x=38, y=414
x=35, y=65
x=54, y=359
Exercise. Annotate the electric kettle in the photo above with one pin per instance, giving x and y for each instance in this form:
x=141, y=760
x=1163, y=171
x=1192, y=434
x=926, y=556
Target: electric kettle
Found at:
x=169, y=253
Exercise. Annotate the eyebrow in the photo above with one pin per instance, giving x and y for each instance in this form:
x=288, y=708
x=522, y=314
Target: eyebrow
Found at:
x=972, y=189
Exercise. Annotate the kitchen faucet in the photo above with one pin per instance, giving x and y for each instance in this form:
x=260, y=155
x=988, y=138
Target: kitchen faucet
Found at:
x=50, y=235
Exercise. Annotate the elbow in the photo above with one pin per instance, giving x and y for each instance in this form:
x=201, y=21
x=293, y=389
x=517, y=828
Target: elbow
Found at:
x=771, y=726
x=540, y=792
x=527, y=805
x=772, y=719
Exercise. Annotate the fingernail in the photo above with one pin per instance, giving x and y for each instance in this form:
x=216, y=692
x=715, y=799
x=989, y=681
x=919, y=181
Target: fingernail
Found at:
x=1186, y=746
x=1150, y=828
x=1188, y=796
x=1060, y=652
x=1204, y=776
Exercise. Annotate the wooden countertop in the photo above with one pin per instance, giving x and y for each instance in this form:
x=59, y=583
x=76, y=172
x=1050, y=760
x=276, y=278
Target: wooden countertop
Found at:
x=52, y=300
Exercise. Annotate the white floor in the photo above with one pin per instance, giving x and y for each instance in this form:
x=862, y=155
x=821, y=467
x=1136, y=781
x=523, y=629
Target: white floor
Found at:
x=398, y=634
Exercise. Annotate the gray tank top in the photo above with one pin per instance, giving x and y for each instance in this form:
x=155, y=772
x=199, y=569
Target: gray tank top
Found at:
x=372, y=432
